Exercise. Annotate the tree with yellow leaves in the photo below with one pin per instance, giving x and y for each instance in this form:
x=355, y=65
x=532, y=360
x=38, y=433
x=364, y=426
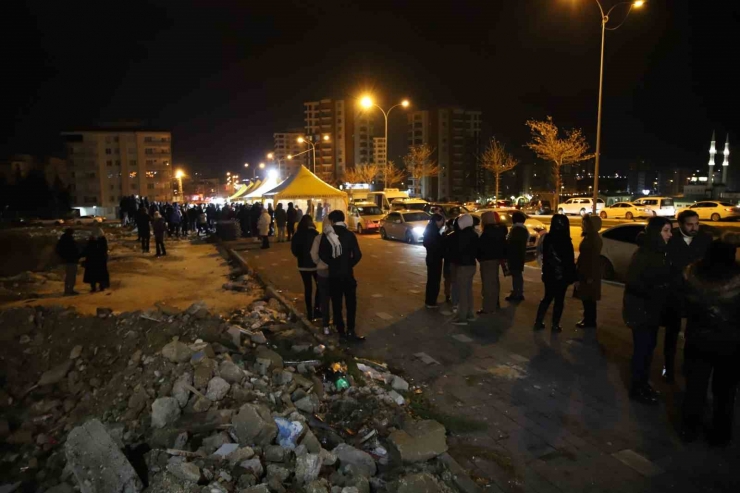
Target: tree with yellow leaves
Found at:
x=496, y=160
x=419, y=165
x=548, y=144
x=362, y=173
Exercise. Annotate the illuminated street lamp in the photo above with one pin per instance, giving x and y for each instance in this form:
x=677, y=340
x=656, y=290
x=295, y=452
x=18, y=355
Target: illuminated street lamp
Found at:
x=179, y=174
x=272, y=156
x=604, y=21
x=367, y=103
x=304, y=140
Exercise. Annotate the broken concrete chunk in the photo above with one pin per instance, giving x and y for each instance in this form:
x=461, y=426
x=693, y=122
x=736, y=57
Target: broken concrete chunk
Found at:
x=165, y=411
x=418, y=441
x=307, y=468
x=399, y=384
x=217, y=389
x=203, y=375
x=397, y=398
x=240, y=455
x=180, y=389
x=254, y=425
x=186, y=471
x=277, y=471
x=97, y=463
x=276, y=361
x=76, y=352
x=418, y=483
x=254, y=466
x=362, y=461
x=309, y=404
x=177, y=352
x=230, y=372
x=56, y=374
x=226, y=449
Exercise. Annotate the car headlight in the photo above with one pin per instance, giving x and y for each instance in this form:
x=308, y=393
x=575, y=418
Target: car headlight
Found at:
x=418, y=231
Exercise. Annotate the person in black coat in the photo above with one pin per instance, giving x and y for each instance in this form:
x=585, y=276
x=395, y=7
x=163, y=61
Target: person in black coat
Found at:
x=142, y=224
x=291, y=215
x=96, y=261
x=464, y=259
x=449, y=244
x=712, y=288
x=516, y=252
x=433, y=243
x=558, y=270
x=341, y=252
x=491, y=252
x=300, y=246
x=646, y=290
x=688, y=244
x=70, y=255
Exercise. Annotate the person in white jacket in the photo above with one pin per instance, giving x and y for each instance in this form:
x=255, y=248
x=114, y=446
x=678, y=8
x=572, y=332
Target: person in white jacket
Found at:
x=322, y=272
x=263, y=225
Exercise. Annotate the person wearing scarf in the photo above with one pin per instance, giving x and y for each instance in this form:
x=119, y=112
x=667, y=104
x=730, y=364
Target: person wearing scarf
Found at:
x=341, y=252
x=322, y=275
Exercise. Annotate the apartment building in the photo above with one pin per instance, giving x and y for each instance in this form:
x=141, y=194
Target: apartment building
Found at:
x=286, y=144
x=380, y=151
x=454, y=136
x=108, y=164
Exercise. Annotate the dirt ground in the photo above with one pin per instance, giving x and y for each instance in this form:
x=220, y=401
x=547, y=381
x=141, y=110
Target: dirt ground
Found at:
x=191, y=271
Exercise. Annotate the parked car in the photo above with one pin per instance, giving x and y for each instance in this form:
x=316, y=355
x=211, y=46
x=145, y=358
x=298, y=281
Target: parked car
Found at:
x=500, y=204
x=715, y=210
x=82, y=220
x=623, y=210
x=450, y=210
x=472, y=206
x=364, y=217
x=620, y=242
x=580, y=206
x=657, y=206
x=533, y=225
x=405, y=225
x=538, y=207
x=409, y=205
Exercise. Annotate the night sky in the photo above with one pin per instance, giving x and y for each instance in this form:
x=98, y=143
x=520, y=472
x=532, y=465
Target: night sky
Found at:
x=223, y=76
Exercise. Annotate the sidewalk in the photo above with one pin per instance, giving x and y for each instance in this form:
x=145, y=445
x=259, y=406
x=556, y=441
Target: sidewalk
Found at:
x=526, y=412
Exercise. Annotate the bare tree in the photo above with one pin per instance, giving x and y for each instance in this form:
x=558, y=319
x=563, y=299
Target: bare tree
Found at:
x=420, y=165
x=548, y=145
x=496, y=160
x=362, y=173
x=391, y=174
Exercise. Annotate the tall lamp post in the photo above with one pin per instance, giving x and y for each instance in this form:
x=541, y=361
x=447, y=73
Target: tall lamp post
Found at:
x=304, y=140
x=604, y=22
x=367, y=103
x=179, y=175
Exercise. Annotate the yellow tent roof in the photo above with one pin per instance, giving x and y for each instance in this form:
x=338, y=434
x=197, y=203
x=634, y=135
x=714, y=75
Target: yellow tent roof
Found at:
x=265, y=186
x=244, y=189
x=304, y=185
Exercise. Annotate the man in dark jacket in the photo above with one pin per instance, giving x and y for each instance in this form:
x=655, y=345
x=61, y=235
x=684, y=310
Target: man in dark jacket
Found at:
x=70, y=255
x=687, y=245
x=465, y=266
x=142, y=224
x=516, y=251
x=341, y=252
x=435, y=254
x=491, y=252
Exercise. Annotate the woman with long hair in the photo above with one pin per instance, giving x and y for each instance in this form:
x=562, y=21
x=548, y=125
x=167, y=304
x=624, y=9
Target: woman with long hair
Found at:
x=588, y=287
x=558, y=270
x=300, y=246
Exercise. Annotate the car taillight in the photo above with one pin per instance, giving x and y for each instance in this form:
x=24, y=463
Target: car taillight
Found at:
x=730, y=209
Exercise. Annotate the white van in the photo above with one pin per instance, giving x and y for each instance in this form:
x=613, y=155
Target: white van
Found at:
x=657, y=206
x=408, y=205
x=383, y=199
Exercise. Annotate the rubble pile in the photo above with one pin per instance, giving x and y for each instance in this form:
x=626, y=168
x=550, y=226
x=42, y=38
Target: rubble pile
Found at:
x=169, y=401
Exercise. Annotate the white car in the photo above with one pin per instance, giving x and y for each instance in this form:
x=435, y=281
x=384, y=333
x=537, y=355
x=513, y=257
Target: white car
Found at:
x=534, y=227
x=620, y=243
x=657, y=206
x=409, y=205
x=408, y=226
x=580, y=206
x=364, y=217
x=622, y=210
x=715, y=210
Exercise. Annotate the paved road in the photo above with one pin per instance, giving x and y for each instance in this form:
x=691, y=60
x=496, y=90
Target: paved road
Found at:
x=553, y=409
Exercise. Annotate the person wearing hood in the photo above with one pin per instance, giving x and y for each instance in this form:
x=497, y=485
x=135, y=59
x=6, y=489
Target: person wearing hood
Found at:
x=322, y=275
x=143, y=225
x=341, y=252
x=263, y=224
x=466, y=249
x=588, y=287
x=96, y=261
x=160, y=227
x=558, y=270
x=281, y=218
x=291, y=220
x=516, y=253
x=688, y=244
x=647, y=287
x=433, y=243
x=712, y=289
x=491, y=252
x=175, y=220
x=70, y=255
x=300, y=247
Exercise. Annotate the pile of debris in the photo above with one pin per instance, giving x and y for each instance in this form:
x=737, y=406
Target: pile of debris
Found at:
x=167, y=401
